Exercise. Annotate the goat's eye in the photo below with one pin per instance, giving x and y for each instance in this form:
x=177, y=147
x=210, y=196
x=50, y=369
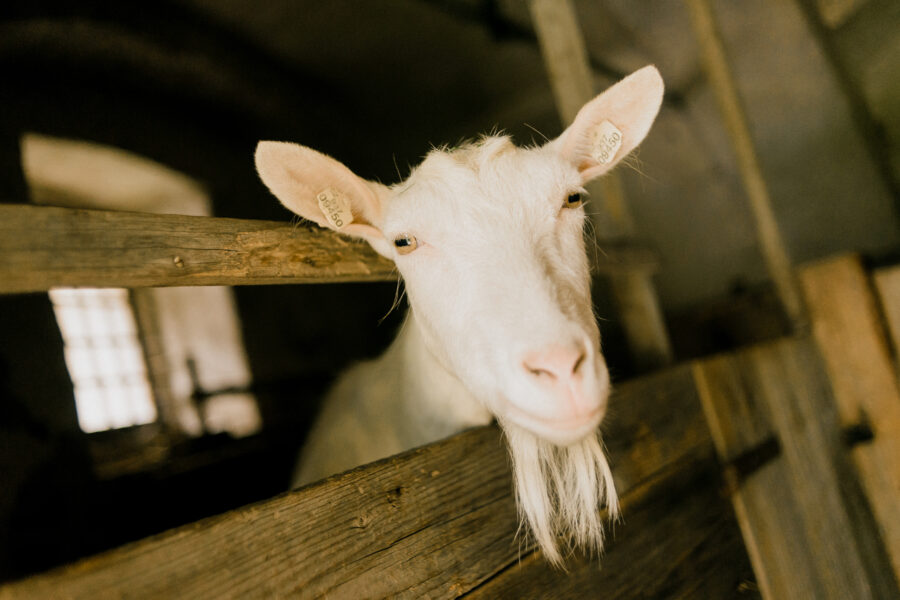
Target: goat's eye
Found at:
x=406, y=244
x=573, y=201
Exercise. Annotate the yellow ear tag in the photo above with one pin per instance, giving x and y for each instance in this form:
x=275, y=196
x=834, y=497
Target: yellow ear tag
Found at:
x=607, y=141
x=335, y=207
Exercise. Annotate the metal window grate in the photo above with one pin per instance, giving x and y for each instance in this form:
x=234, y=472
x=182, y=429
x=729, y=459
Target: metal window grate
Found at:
x=104, y=358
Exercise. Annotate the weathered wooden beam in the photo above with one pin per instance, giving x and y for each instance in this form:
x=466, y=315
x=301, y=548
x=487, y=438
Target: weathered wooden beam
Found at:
x=835, y=13
x=772, y=416
x=566, y=59
x=679, y=538
x=681, y=543
x=43, y=247
x=721, y=79
x=847, y=325
x=434, y=522
x=887, y=283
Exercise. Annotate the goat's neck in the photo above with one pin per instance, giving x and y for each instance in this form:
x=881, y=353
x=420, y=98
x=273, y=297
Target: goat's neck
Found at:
x=435, y=402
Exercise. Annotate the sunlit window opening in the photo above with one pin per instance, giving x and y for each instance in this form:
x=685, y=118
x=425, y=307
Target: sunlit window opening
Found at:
x=104, y=358
x=198, y=368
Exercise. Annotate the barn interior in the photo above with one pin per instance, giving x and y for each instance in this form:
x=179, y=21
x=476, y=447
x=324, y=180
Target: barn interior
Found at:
x=157, y=107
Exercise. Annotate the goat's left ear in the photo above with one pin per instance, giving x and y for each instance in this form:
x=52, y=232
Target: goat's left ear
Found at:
x=610, y=126
x=323, y=190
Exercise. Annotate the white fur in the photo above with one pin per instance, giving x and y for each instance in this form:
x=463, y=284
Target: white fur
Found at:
x=500, y=321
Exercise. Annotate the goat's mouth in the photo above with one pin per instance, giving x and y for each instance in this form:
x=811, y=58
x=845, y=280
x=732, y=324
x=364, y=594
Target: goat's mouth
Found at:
x=562, y=431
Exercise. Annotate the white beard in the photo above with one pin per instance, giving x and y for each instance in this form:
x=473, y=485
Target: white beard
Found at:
x=559, y=490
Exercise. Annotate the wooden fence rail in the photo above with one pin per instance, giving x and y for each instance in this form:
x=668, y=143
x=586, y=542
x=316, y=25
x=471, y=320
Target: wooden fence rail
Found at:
x=847, y=313
x=43, y=247
x=440, y=522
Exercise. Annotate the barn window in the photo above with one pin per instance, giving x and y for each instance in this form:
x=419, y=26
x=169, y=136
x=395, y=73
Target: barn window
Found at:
x=104, y=358
x=172, y=355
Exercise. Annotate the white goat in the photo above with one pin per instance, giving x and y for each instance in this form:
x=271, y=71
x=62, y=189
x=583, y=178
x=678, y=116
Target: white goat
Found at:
x=488, y=239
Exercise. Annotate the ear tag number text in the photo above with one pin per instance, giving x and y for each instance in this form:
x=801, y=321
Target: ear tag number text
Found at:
x=607, y=141
x=335, y=207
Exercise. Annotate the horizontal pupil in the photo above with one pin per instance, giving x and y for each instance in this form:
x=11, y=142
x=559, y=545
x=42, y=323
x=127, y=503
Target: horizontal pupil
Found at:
x=574, y=198
x=399, y=242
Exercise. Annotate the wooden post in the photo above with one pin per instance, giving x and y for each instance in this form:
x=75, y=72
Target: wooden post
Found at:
x=565, y=56
x=847, y=325
x=887, y=282
x=735, y=119
x=146, y=315
x=772, y=416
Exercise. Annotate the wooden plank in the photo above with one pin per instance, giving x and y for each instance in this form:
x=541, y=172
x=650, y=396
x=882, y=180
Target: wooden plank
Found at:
x=566, y=59
x=864, y=41
x=434, y=522
x=638, y=308
x=805, y=533
x=565, y=55
x=847, y=326
x=678, y=538
x=734, y=118
x=835, y=13
x=146, y=315
x=887, y=283
x=654, y=421
x=43, y=247
x=681, y=542
x=392, y=528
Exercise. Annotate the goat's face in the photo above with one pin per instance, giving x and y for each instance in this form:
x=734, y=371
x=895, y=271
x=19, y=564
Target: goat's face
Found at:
x=488, y=239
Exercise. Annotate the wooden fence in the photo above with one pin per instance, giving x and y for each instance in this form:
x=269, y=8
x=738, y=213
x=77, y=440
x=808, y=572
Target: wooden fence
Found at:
x=440, y=522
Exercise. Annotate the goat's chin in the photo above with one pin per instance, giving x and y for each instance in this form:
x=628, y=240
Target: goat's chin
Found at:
x=560, y=489
x=565, y=432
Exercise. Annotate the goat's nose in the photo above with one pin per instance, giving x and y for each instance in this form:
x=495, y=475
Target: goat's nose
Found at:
x=558, y=363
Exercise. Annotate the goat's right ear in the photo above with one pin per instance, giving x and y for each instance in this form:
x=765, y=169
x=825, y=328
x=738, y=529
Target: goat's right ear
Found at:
x=324, y=191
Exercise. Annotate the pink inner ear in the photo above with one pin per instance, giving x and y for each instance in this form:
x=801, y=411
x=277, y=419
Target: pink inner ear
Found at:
x=297, y=175
x=630, y=105
x=330, y=174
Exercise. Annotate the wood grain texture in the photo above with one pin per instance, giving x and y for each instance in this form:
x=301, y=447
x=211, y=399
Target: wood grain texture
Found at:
x=848, y=329
x=435, y=522
x=565, y=55
x=653, y=422
x=43, y=247
x=680, y=542
x=887, y=283
x=835, y=13
x=721, y=79
x=802, y=523
x=641, y=315
x=359, y=535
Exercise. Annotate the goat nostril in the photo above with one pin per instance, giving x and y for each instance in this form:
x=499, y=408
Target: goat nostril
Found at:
x=539, y=372
x=578, y=362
